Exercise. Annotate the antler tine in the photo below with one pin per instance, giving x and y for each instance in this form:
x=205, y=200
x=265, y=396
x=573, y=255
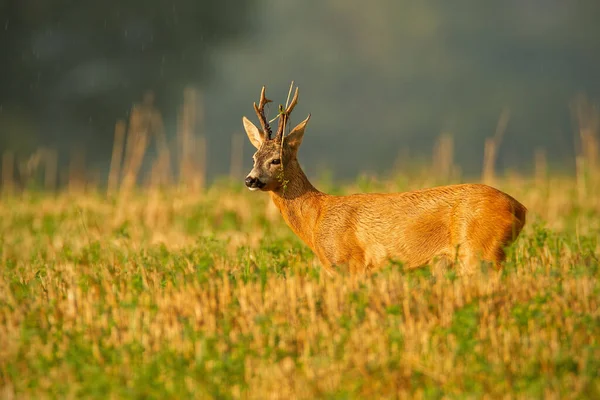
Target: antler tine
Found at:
x=260, y=113
x=288, y=111
x=283, y=118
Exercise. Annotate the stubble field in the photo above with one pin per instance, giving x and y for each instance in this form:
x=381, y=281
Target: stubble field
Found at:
x=168, y=294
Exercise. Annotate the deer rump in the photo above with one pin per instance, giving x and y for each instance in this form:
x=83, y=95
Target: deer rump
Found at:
x=466, y=223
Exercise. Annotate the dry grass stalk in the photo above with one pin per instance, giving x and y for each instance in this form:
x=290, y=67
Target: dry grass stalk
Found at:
x=492, y=144
x=145, y=122
x=152, y=210
x=587, y=116
x=160, y=176
x=489, y=158
x=117, y=156
x=192, y=148
x=29, y=166
x=8, y=172
x=186, y=136
x=163, y=166
x=443, y=156
x=154, y=179
x=137, y=143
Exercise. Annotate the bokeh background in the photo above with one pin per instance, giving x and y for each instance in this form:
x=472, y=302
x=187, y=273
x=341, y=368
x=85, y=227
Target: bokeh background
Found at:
x=382, y=80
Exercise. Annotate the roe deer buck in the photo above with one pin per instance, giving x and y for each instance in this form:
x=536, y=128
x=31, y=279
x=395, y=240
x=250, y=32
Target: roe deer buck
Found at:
x=466, y=222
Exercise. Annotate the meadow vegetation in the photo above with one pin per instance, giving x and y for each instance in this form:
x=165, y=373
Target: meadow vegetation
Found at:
x=165, y=293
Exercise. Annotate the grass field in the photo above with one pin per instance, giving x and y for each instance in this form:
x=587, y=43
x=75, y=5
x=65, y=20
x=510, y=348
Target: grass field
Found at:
x=173, y=295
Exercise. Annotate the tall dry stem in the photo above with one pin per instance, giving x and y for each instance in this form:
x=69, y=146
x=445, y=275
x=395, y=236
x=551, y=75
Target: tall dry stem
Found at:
x=489, y=158
x=137, y=143
x=185, y=136
x=145, y=122
x=163, y=166
x=29, y=166
x=443, y=156
x=117, y=156
x=152, y=209
x=587, y=116
x=490, y=151
x=192, y=148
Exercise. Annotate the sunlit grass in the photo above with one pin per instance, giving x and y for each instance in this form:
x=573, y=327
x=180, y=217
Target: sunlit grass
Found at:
x=168, y=295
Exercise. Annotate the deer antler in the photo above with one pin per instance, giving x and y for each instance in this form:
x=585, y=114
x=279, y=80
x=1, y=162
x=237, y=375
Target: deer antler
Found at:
x=284, y=115
x=260, y=113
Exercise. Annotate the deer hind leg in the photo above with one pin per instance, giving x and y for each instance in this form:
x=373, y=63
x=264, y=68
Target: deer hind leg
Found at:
x=486, y=244
x=494, y=247
x=471, y=256
x=495, y=253
x=496, y=256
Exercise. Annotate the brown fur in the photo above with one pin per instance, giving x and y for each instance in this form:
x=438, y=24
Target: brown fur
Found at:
x=466, y=222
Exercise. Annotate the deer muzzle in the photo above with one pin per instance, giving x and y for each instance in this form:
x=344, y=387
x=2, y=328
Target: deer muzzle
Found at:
x=254, y=183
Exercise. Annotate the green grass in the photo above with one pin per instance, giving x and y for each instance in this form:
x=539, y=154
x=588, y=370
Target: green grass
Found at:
x=211, y=296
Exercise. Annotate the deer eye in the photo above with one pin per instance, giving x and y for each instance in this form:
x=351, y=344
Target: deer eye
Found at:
x=276, y=161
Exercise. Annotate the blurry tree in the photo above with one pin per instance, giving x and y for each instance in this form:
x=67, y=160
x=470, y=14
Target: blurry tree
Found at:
x=393, y=74
x=74, y=67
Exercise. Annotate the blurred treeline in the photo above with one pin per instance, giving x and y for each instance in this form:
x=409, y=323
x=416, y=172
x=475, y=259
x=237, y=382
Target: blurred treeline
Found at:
x=382, y=79
x=69, y=69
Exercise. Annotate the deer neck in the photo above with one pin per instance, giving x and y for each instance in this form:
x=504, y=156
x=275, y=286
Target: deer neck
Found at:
x=299, y=202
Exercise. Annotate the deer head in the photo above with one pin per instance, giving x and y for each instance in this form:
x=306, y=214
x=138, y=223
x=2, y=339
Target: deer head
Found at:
x=273, y=155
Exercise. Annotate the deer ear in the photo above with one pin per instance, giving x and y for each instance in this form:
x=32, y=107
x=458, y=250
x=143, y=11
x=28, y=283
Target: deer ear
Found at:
x=294, y=138
x=256, y=136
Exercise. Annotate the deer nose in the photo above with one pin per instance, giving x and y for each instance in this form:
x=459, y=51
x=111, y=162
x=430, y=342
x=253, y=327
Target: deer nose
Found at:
x=254, y=183
x=250, y=181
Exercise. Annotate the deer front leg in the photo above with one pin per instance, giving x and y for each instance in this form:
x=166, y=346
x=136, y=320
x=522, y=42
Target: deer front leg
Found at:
x=325, y=263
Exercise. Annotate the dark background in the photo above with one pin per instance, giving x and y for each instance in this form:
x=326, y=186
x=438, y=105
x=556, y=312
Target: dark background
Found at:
x=381, y=79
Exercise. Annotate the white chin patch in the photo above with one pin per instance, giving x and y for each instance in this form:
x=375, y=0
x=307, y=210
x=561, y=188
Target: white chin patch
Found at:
x=253, y=189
